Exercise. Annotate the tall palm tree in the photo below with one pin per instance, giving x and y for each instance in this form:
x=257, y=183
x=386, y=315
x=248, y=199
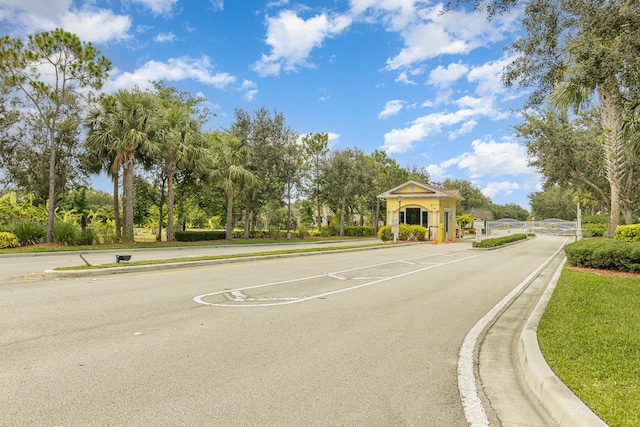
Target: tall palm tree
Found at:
x=128, y=126
x=231, y=159
x=576, y=92
x=101, y=150
x=181, y=149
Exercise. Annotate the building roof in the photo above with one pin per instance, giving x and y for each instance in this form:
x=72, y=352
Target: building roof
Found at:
x=415, y=189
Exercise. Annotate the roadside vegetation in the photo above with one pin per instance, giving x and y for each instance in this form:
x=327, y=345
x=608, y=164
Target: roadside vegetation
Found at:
x=590, y=336
x=590, y=331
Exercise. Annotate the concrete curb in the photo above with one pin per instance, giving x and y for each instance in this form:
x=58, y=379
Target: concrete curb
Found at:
x=185, y=264
x=562, y=404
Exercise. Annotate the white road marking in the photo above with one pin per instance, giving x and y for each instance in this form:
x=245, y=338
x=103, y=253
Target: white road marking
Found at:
x=473, y=410
x=200, y=298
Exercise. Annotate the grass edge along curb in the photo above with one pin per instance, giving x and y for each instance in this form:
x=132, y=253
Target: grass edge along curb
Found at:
x=149, y=265
x=589, y=336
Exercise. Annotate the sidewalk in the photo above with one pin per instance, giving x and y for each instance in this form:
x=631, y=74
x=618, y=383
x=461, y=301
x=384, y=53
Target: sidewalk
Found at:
x=519, y=389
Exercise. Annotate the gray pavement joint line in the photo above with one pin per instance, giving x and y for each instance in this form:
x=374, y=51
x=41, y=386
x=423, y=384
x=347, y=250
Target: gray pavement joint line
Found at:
x=473, y=410
x=199, y=299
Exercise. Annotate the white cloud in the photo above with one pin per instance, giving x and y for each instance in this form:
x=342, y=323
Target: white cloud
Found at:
x=158, y=7
x=401, y=140
x=495, y=159
x=504, y=188
x=391, y=109
x=250, y=90
x=436, y=172
x=403, y=77
x=292, y=39
x=89, y=23
x=165, y=37
x=489, y=76
x=175, y=69
x=444, y=77
x=217, y=5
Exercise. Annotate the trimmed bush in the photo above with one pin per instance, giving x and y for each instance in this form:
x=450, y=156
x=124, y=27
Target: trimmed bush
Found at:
x=66, y=233
x=8, y=240
x=595, y=225
x=30, y=232
x=604, y=253
x=499, y=241
x=405, y=232
x=628, y=233
x=198, y=236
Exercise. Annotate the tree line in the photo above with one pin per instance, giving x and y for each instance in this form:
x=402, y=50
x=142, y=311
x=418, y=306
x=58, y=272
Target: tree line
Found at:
x=56, y=132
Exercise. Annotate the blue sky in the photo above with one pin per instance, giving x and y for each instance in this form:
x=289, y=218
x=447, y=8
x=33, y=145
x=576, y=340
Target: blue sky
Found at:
x=394, y=75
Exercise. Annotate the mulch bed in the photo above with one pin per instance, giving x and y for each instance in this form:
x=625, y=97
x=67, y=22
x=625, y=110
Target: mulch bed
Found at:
x=603, y=272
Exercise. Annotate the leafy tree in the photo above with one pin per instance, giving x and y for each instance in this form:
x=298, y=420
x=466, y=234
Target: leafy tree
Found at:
x=554, y=202
x=267, y=137
x=230, y=170
x=510, y=210
x=316, y=148
x=344, y=172
x=566, y=152
x=51, y=72
x=386, y=174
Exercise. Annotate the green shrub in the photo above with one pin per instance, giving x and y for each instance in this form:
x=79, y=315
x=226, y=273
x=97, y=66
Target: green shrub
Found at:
x=88, y=236
x=30, y=232
x=198, y=236
x=604, y=253
x=66, y=233
x=302, y=232
x=405, y=232
x=628, y=233
x=359, y=231
x=499, y=241
x=594, y=230
x=8, y=240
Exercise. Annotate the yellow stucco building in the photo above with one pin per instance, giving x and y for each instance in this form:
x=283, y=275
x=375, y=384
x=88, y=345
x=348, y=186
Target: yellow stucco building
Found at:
x=423, y=204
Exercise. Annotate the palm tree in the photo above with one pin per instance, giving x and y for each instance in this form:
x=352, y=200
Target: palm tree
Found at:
x=231, y=159
x=126, y=127
x=181, y=149
x=576, y=92
x=101, y=150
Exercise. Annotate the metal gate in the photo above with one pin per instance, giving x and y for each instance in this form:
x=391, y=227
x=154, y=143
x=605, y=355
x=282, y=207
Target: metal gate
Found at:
x=555, y=226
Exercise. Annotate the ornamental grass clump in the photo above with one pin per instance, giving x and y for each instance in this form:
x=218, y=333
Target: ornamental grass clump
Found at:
x=30, y=232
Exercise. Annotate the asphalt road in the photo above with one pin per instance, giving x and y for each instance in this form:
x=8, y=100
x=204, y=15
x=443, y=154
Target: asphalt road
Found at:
x=366, y=338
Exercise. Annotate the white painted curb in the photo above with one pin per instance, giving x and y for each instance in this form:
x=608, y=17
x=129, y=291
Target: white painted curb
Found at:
x=562, y=404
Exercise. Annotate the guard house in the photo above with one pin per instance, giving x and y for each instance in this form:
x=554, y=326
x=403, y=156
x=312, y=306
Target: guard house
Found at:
x=423, y=204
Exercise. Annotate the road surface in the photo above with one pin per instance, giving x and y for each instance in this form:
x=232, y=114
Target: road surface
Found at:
x=366, y=338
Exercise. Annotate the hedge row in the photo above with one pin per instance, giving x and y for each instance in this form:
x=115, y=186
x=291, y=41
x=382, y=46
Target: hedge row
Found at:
x=604, y=253
x=499, y=241
x=300, y=232
x=197, y=236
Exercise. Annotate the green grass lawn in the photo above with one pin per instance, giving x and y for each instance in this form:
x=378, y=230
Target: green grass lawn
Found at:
x=590, y=336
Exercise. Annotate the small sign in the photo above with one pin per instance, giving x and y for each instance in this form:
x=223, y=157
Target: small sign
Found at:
x=394, y=225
